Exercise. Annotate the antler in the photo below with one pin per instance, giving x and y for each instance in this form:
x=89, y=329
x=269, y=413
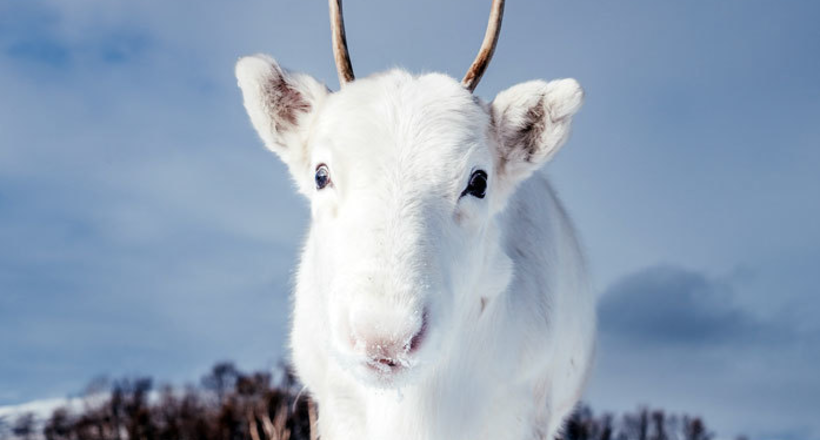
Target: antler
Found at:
x=340, y=54
x=485, y=53
x=345, y=69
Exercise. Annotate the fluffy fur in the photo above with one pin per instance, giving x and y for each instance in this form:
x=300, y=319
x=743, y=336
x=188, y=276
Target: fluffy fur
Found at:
x=422, y=313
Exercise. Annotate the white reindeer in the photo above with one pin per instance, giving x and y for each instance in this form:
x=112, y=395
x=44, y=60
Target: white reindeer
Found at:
x=442, y=293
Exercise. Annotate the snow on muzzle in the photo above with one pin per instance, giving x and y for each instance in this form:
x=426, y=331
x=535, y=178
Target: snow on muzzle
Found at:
x=386, y=338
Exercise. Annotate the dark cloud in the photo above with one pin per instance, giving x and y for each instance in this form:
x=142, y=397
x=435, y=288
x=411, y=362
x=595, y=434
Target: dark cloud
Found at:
x=670, y=305
x=685, y=340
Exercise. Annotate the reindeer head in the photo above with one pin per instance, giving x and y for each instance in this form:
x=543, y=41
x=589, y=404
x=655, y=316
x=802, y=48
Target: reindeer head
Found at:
x=406, y=176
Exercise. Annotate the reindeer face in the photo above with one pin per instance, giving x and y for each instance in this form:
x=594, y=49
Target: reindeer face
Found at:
x=405, y=176
x=399, y=173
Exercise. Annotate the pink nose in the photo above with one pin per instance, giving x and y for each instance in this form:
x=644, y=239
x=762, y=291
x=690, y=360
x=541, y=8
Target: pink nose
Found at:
x=387, y=339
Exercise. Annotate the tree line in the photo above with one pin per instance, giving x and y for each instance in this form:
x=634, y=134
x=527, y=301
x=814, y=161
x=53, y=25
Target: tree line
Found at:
x=229, y=404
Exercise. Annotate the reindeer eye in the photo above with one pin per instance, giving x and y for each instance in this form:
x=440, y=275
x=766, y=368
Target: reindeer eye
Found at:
x=478, y=185
x=322, y=177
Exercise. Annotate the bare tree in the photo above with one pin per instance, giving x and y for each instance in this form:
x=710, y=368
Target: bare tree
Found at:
x=695, y=429
x=24, y=427
x=658, y=428
x=221, y=379
x=58, y=427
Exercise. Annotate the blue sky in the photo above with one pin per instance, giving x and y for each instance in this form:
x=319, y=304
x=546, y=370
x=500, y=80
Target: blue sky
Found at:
x=144, y=228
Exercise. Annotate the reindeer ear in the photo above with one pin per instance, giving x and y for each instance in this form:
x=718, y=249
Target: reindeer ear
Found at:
x=532, y=122
x=281, y=105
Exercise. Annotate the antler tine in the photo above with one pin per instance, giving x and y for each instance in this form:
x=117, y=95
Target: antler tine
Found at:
x=485, y=53
x=340, y=53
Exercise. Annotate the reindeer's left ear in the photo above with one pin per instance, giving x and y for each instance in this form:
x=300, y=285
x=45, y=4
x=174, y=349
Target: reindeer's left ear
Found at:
x=532, y=122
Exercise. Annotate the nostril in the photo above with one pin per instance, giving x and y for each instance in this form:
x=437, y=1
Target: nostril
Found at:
x=388, y=362
x=416, y=341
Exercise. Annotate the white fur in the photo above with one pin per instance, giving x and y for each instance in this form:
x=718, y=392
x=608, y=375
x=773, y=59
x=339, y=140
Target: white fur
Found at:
x=494, y=289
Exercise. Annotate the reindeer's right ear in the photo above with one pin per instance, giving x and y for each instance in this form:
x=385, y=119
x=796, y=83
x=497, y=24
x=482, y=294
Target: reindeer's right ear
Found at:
x=281, y=105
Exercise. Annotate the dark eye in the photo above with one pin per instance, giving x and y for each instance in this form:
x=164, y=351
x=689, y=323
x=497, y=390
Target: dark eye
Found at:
x=322, y=177
x=478, y=185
